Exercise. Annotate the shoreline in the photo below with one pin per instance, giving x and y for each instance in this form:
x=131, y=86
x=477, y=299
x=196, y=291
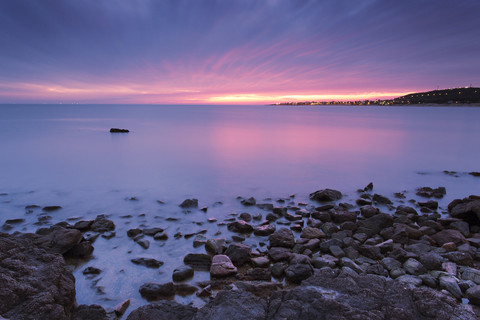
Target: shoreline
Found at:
x=415, y=243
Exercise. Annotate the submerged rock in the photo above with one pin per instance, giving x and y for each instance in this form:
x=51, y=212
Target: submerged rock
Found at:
x=118, y=130
x=163, y=310
x=189, y=203
x=326, y=195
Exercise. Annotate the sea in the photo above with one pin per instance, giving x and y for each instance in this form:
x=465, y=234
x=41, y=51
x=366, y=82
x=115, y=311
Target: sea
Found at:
x=65, y=155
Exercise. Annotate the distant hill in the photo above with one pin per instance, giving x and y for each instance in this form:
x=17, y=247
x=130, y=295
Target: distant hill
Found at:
x=446, y=96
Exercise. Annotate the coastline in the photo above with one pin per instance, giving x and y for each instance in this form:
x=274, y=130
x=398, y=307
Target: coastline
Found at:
x=292, y=247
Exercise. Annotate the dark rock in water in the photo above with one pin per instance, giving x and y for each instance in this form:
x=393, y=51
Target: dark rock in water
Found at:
x=467, y=209
x=326, y=195
x=91, y=312
x=298, y=272
x=57, y=239
x=282, y=238
x=198, y=261
x=144, y=243
x=51, y=208
x=375, y=224
x=131, y=233
x=83, y=225
x=249, y=202
x=34, y=283
x=474, y=173
x=155, y=291
x=369, y=211
x=184, y=289
x=239, y=253
x=80, y=251
x=433, y=205
x=163, y=310
x=238, y=305
x=215, y=246
x=265, y=206
x=428, y=192
x=449, y=235
x=182, y=273
x=189, y=203
x=160, y=236
x=245, y=216
x=369, y=187
x=91, y=270
x=109, y=235
x=118, y=130
x=14, y=221
x=377, y=198
x=240, y=226
x=147, y=262
x=151, y=231
x=102, y=224
x=265, y=230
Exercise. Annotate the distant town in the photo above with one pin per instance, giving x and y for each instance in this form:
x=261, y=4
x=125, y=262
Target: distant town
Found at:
x=466, y=95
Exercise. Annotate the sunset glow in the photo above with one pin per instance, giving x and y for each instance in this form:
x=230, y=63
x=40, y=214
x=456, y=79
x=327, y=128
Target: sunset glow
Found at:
x=207, y=52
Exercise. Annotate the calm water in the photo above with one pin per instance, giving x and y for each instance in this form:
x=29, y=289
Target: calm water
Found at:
x=64, y=155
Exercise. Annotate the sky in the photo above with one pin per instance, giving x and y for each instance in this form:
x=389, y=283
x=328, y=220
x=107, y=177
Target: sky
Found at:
x=235, y=51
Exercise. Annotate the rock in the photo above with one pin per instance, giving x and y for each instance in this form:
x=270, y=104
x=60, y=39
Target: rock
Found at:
x=144, y=243
x=34, y=283
x=372, y=252
x=199, y=241
x=375, y=224
x=312, y=233
x=91, y=312
x=152, y=231
x=377, y=198
x=83, y=225
x=245, y=216
x=450, y=268
x=81, y=250
x=278, y=269
x=413, y=267
x=451, y=285
x=185, y=289
x=298, y=272
x=189, y=204
x=198, y=261
x=324, y=261
x=163, y=310
x=160, y=236
x=240, y=226
x=467, y=209
x=51, y=208
x=336, y=251
x=279, y=253
x=222, y=266
x=249, y=202
x=148, y=262
x=473, y=295
x=410, y=280
x=265, y=230
x=58, y=239
x=428, y=192
x=120, y=308
x=215, y=246
x=462, y=258
x=282, y=238
x=265, y=206
x=91, y=270
x=258, y=274
x=102, y=224
x=461, y=226
x=471, y=274
x=109, y=235
x=239, y=253
x=369, y=211
x=182, y=273
x=449, y=235
x=155, y=291
x=261, y=262
x=118, y=130
x=326, y=195
x=132, y=233
x=431, y=261
x=258, y=288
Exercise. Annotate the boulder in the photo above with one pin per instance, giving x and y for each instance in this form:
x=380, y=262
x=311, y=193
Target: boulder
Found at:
x=449, y=235
x=102, y=224
x=249, y=202
x=189, y=204
x=222, y=266
x=163, y=310
x=34, y=283
x=90, y=312
x=215, y=246
x=326, y=195
x=375, y=224
x=56, y=239
x=428, y=192
x=240, y=226
x=156, y=291
x=467, y=209
x=282, y=238
x=239, y=253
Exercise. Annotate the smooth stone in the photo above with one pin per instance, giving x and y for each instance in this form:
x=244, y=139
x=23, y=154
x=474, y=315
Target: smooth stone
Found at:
x=222, y=266
x=147, y=262
x=155, y=291
x=198, y=261
x=182, y=273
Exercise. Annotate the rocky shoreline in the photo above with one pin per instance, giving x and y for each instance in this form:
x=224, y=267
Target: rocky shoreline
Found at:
x=320, y=260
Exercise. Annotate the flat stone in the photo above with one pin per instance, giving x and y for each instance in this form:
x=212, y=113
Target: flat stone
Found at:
x=198, y=261
x=222, y=266
x=155, y=291
x=147, y=262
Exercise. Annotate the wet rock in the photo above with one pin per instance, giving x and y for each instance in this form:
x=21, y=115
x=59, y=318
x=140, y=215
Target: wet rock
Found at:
x=189, y=204
x=428, y=192
x=298, y=272
x=81, y=250
x=461, y=226
x=247, y=217
x=215, y=246
x=222, y=266
x=152, y=231
x=473, y=295
x=118, y=130
x=282, y=238
x=410, y=280
x=265, y=230
x=34, y=283
x=14, y=221
x=336, y=251
x=240, y=226
x=265, y=206
x=451, y=285
x=258, y=274
x=467, y=209
x=182, y=273
x=90, y=312
x=326, y=195
x=413, y=267
x=51, y=208
x=462, y=258
x=312, y=233
x=431, y=261
x=324, y=261
x=148, y=262
x=198, y=261
x=155, y=291
x=199, y=241
x=233, y=304
x=377, y=198
x=109, y=235
x=160, y=236
x=369, y=211
x=279, y=253
x=131, y=233
x=261, y=262
x=343, y=216
x=102, y=224
x=144, y=243
x=120, y=308
x=163, y=310
x=471, y=274
x=185, y=289
x=239, y=253
x=249, y=202
x=433, y=205
x=448, y=235
x=278, y=269
x=58, y=239
x=375, y=224
x=91, y=270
